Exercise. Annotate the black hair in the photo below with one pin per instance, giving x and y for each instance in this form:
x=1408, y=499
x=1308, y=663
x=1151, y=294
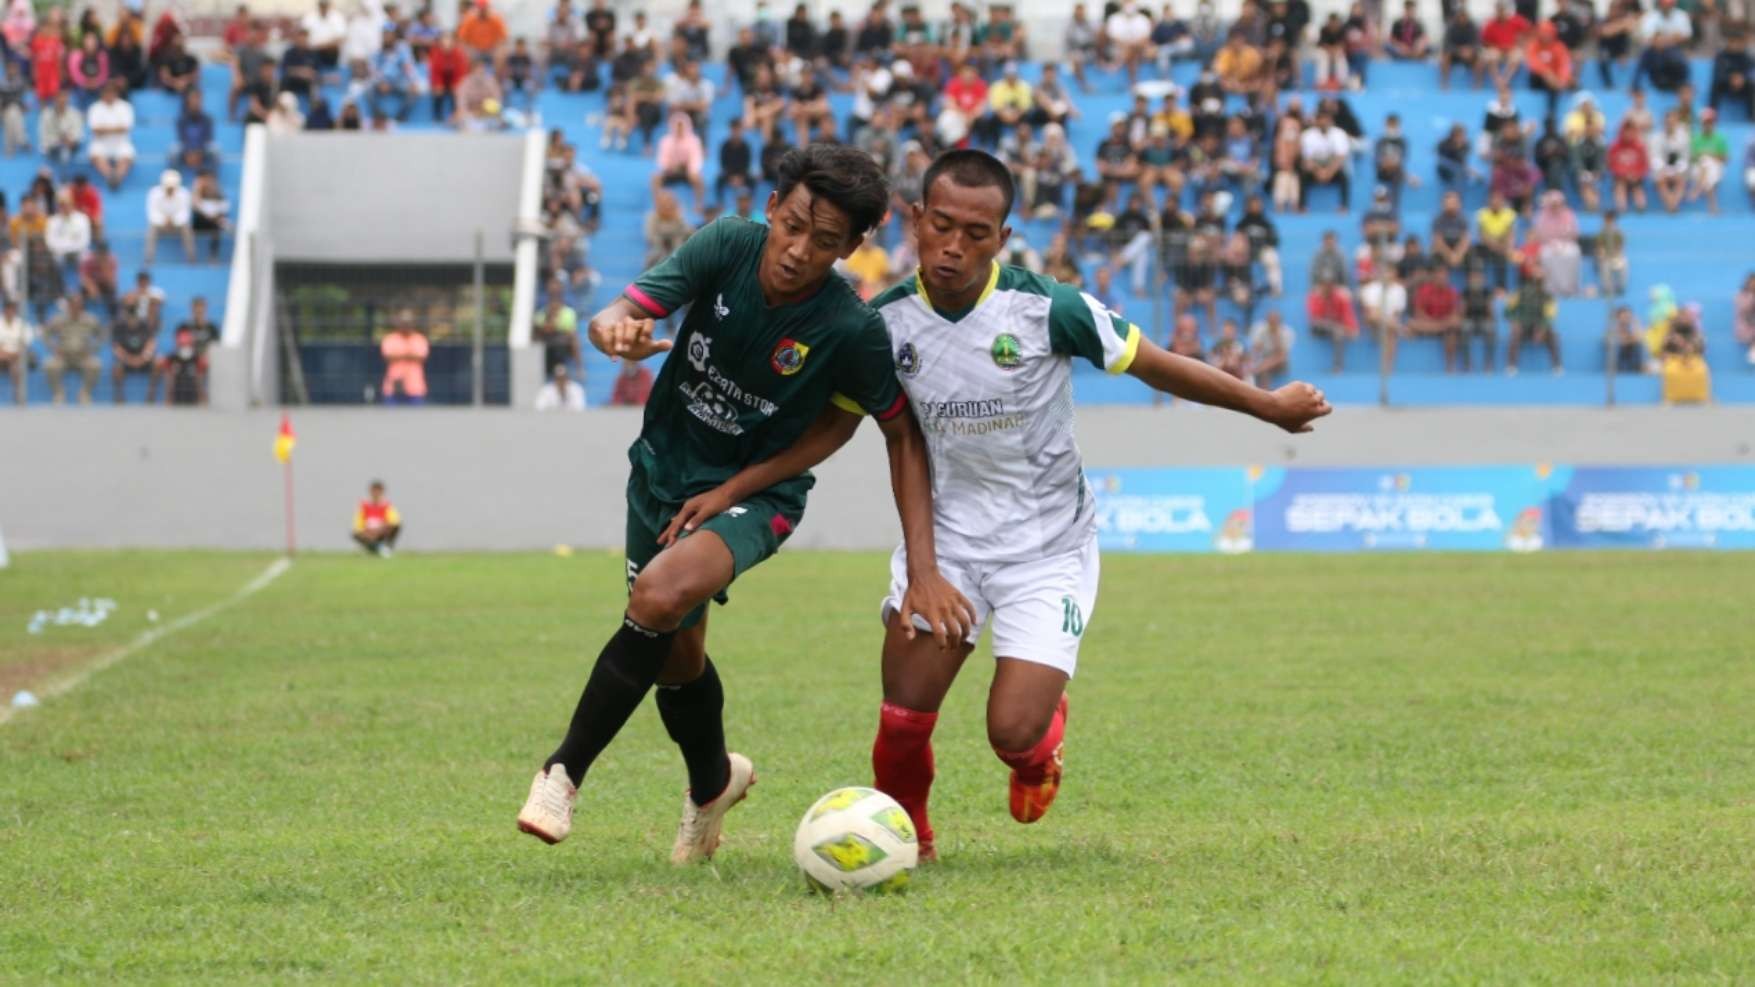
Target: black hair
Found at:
x=971, y=169
x=846, y=177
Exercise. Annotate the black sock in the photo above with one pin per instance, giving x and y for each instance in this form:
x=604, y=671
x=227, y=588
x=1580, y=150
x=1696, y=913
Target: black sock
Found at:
x=693, y=715
x=619, y=682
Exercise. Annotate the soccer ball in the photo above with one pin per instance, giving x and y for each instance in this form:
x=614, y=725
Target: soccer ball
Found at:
x=855, y=839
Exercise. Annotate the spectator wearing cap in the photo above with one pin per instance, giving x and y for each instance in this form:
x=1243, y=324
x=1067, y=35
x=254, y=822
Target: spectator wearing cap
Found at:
x=1665, y=31
x=325, y=29
x=1322, y=160
x=195, y=148
x=404, y=350
x=111, y=120
x=1709, y=153
x=170, y=210
x=1129, y=32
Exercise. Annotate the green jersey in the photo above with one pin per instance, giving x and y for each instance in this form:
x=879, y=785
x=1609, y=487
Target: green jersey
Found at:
x=745, y=379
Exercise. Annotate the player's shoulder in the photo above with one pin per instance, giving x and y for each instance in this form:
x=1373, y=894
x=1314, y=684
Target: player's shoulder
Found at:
x=731, y=231
x=1023, y=281
x=901, y=291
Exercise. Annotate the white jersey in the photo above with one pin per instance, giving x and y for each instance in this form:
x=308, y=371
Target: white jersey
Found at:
x=992, y=390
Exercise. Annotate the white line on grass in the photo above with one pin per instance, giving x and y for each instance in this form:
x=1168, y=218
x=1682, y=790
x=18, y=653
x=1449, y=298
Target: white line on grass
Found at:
x=151, y=635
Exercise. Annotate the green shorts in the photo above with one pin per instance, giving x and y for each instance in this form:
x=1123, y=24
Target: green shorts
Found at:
x=753, y=530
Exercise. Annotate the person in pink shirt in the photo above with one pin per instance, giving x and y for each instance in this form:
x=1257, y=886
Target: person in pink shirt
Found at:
x=405, y=362
x=680, y=158
x=88, y=68
x=20, y=24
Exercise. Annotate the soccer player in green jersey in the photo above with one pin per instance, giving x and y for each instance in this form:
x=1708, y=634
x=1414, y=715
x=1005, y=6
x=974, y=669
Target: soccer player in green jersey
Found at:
x=772, y=335
x=985, y=354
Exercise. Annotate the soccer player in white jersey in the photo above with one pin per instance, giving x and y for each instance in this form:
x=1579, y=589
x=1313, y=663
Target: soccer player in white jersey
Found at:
x=985, y=354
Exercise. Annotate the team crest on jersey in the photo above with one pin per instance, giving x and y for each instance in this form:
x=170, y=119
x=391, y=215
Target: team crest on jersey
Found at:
x=1007, y=352
x=907, y=360
x=700, y=351
x=788, y=357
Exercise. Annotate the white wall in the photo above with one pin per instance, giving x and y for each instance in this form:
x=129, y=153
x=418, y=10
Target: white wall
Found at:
x=501, y=479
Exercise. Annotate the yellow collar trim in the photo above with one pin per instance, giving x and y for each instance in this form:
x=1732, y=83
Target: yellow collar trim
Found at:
x=992, y=283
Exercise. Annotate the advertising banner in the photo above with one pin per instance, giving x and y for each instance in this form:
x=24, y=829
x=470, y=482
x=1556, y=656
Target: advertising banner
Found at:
x=1653, y=507
x=1172, y=510
x=1481, y=508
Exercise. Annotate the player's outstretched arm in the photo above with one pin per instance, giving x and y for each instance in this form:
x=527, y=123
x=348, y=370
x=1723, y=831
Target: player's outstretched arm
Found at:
x=832, y=430
x=624, y=331
x=1293, y=407
x=929, y=594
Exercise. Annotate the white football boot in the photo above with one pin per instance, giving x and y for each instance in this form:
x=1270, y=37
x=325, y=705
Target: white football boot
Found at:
x=548, y=812
x=697, y=836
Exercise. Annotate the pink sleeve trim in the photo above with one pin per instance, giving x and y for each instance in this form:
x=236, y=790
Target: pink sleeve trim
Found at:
x=645, y=301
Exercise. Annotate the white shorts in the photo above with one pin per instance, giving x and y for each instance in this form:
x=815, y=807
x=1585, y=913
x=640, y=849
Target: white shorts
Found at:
x=112, y=147
x=1039, y=609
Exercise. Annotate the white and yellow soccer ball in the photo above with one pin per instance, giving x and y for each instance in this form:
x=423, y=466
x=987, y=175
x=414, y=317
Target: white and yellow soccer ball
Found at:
x=856, y=839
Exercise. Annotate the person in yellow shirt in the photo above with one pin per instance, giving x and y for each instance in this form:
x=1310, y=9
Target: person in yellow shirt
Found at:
x=870, y=268
x=376, y=523
x=1009, y=101
x=1177, y=119
x=1238, y=66
x=1496, y=222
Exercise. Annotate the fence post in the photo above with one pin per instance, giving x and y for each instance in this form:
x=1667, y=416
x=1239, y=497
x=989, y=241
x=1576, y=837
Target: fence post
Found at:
x=477, y=371
x=1609, y=365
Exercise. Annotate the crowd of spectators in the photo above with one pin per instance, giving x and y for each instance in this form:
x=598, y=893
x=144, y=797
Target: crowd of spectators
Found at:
x=65, y=302
x=1178, y=195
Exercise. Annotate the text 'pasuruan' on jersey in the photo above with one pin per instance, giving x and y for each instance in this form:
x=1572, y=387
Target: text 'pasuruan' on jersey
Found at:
x=992, y=388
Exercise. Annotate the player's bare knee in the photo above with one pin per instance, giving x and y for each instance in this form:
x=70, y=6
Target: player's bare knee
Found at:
x=658, y=604
x=1017, y=730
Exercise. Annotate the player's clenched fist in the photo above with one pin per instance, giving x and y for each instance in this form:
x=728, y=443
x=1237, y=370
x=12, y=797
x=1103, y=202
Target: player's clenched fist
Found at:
x=1296, y=405
x=627, y=338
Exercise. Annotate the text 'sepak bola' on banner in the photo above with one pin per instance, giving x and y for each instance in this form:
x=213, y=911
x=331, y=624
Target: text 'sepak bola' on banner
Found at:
x=1653, y=507
x=1473, y=508
x=1483, y=508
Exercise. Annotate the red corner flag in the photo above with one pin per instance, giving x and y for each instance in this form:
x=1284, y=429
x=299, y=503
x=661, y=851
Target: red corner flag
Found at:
x=285, y=440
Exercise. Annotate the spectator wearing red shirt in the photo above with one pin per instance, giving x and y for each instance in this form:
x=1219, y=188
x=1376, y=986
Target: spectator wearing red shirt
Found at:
x=632, y=386
x=1501, y=40
x=87, y=200
x=1437, y=311
x=447, y=64
x=48, y=56
x=1329, y=307
x=1629, y=164
x=1550, y=64
x=966, y=95
x=376, y=522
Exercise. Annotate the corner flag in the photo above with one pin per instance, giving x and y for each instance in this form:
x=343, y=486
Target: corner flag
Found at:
x=285, y=440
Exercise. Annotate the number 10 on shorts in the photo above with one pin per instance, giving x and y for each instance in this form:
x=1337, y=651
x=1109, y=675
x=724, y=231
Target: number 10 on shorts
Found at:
x=1071, y=620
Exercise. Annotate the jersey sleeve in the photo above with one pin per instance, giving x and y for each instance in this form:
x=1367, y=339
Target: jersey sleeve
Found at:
x=865, y=381
x=684, y=275
x=1079, y=325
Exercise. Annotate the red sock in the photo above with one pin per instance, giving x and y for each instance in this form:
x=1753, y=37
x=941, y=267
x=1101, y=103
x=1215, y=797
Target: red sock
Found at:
x=901, y=761
x=1031, y=765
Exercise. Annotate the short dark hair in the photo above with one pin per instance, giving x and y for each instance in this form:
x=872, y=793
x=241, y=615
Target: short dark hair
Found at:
x=846, y=177
x=971, y=169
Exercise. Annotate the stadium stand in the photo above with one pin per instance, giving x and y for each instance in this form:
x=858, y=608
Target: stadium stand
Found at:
x=1693, y=256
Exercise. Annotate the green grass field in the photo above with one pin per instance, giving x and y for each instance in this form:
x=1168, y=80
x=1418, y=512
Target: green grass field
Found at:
x=1345, y=770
